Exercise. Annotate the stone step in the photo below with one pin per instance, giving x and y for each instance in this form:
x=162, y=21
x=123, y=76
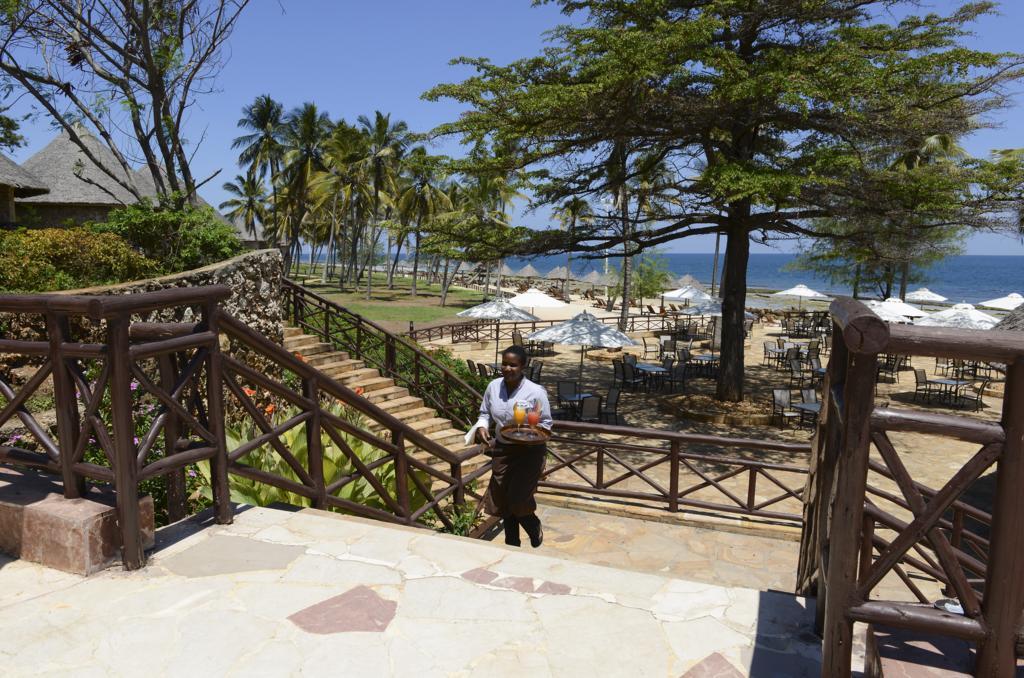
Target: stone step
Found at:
x=430, y=425
x=309, y=350
x=396, y=405
x=451, y=438
x=299, y=342
x=290, y=331
x=368, y=385
x=415, y=414
x=336, y=368
x=324, y=358
x=381, y=395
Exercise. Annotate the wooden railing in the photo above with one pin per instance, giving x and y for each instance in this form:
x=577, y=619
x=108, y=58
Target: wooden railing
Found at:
x=978, y=556
x=395, y=356
x=115, y=374
x=672, y=470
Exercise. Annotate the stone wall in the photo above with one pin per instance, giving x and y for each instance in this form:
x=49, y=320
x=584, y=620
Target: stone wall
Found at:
x=256, y=296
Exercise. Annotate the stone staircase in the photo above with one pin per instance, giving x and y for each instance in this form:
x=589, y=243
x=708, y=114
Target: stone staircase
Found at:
x=384, y=393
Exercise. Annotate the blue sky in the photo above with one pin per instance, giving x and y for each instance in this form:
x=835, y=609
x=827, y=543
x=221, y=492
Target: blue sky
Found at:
x=352, y=57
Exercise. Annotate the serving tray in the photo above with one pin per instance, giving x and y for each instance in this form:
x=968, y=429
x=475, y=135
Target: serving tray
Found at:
x=524, y=435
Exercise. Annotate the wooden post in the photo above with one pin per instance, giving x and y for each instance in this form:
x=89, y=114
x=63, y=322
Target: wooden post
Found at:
x=1004, y=585
x=68, y=428
x=126, y=470
x=314, y=444
x=850, y=482
x=172, y=431
x=402, y=476
x=389, y=356
x=215, y=404
x=460, y=487
x=673, y=478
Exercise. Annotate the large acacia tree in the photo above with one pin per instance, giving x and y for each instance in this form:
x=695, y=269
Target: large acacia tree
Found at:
x=773, y=114
x=130, y=70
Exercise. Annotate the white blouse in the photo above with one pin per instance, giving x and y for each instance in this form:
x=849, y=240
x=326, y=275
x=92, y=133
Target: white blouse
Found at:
x=498, y=403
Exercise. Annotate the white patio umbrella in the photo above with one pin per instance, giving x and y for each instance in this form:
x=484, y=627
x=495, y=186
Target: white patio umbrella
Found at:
x=925, y=294
x=583, y=330
x=1007, y=303
x=901, y=307
x=534, y=298
x=687, y=294
x=886, y=313
x=964, y=316
x=713, y=307
x=497, y=309
x=801, y=292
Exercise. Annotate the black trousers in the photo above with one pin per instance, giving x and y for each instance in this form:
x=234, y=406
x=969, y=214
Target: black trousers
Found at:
x=515, y=472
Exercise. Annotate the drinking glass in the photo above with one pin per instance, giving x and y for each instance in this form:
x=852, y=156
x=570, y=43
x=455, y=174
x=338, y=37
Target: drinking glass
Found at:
x=518, y=415
x=533, y=416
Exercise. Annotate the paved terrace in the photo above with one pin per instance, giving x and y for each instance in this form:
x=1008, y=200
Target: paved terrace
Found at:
x=283, y=593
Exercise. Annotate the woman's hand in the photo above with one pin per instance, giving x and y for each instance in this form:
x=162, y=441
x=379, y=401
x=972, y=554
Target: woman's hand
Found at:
x=484, y=436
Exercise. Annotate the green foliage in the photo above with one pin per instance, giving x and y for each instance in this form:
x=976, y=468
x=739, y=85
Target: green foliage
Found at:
x=460, y=368
x=179, y=240
x=651, y=275
x=336, y=465
x=50, y=259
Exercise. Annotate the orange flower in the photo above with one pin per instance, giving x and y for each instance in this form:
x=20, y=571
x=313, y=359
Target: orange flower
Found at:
x=269, y=409
x=359, y=390
x=300, y=356
x=248, y=391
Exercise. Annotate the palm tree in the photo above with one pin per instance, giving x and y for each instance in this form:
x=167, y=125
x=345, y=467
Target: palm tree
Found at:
x=342, y=181
x=306, y=130
x=249, y=202
x=261, y=148
x=572, y=212
x=423, y=200
x=387, y=144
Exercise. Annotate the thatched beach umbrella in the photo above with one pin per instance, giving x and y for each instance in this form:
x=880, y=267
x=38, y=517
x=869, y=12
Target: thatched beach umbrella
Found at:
x=528, y=271
x=688, y=281
x=558, y=273
x=507, y=270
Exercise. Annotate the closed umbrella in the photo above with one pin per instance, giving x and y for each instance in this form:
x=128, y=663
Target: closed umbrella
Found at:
x=1007, y=303
x=497, y=309
x=583, y=330
x=925, y=294
x=801, y=292
x=963, y=316
x=901, y=307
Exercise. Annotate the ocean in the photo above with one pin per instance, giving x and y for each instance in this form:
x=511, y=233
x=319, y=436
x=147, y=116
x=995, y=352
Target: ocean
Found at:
x=970, y=278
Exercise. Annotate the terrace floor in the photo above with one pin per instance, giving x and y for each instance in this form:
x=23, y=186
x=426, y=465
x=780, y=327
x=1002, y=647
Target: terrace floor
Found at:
x=283, y=593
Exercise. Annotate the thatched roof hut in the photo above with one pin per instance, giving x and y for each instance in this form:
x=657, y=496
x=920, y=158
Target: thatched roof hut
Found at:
x=558, y=273
x=1013, y=321
x=16, y=182
x=528, y=271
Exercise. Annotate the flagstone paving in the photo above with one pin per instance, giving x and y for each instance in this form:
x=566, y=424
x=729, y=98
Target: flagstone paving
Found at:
x=282, y=593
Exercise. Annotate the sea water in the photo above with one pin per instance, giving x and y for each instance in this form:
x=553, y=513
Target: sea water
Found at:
x=970, y=278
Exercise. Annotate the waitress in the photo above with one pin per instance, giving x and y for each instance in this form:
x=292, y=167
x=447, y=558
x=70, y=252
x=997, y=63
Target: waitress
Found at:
x=516, y=469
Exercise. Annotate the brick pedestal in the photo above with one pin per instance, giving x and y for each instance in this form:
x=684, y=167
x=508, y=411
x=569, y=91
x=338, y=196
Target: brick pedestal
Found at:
x=74, y=535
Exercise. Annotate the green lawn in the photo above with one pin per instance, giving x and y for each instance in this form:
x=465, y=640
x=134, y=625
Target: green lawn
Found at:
x=395, y=308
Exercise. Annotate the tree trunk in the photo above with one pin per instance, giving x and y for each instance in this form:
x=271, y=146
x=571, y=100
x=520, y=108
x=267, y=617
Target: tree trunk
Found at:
x=394, y=263
x=416, y=258
x=445, y=281
x=626, y=259
x=856, y=282
x=734, y=299
x=714, y=266
x=904, y=276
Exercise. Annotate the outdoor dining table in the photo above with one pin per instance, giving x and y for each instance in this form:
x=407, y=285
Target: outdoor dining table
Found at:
x=650, y=372
x=573, y=402
x=808, y=411
x=950, y=387
x=706, y=361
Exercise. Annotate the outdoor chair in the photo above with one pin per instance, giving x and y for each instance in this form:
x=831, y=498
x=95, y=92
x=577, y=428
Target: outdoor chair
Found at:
x=565, y=391
x=472, y=366
x=922, y=386
x=676, y=377
x=629, y=358
x=590, y=409
x=484, y=371
x=974, y=399
x=630, y=379
x=771, y=356
x=888, y=369
x=748, y=328
x=808, y=395
x=651, y=311
x=610, y=411
x=796, y=374
x=668, y=347
x=617, y=373
x=782, y=406
x=535, y=367
x=651, y=350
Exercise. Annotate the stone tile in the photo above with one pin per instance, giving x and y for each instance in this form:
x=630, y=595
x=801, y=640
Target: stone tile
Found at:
x=225, y=555
x=339, y=573
x=695, y=639
x=460, y=600
x=714, y=666
x=358, y=609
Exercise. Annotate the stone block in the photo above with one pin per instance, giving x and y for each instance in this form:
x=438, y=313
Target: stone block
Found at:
x=73, y=535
